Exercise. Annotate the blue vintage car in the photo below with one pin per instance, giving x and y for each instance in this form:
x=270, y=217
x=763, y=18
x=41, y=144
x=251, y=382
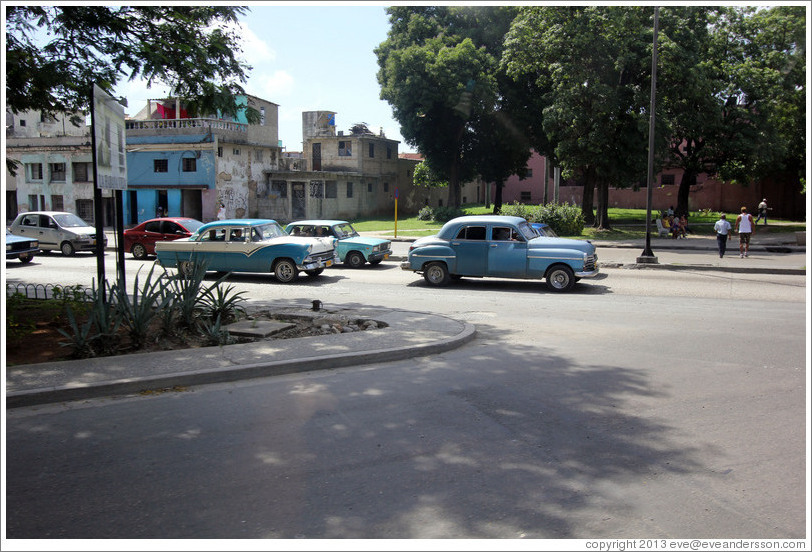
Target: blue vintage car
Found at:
x=19, y=247
x=248, y=245
x=353, y=249
x=503, y=247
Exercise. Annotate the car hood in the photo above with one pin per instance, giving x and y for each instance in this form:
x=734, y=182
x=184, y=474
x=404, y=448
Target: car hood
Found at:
x=544, y=242
x=361, y=240
x=319, y=245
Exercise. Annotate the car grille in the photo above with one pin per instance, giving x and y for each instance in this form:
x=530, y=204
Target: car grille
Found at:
x=591, y=262
x=21, y=246
x=323, y=256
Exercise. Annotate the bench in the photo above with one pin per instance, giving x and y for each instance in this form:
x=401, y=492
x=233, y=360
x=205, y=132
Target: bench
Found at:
x=662, y=230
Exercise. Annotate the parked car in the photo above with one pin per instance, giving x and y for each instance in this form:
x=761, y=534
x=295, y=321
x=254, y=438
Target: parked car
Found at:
x=140, y=240
x=353, y=249
x=503, y=247
x=19, y=247
x=57, y=230
x=248, y=245
x=543, y=229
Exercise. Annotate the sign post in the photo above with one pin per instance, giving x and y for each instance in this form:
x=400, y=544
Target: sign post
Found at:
x=110, y=173
x=396, y=212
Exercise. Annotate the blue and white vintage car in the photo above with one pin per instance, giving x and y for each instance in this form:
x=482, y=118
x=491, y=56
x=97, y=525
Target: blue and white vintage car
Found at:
x=248, y=245
x=502, y=247
x=19, y=247
x=353, y=249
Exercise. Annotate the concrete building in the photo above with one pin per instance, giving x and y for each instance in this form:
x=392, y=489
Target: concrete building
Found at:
x=188, y=166
x=55, y=166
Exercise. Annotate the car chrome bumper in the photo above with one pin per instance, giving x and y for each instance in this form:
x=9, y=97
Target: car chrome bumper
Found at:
x=379, y=255
x=589, y=273
x=406, y=265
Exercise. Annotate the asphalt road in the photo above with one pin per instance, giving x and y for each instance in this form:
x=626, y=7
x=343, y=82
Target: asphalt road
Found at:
x=650, y=404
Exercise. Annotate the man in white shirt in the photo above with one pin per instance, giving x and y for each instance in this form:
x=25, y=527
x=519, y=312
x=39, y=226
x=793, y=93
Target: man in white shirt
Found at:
x=722, y=228
x=745, y=227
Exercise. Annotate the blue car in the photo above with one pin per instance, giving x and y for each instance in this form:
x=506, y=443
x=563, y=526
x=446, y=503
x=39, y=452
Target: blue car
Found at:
x=248, y=245
x=19, y=247
x=502, y=247
x=353, y=250
x=543, y=229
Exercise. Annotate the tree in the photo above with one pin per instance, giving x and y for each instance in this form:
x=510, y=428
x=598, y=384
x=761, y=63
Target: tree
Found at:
x=424, y=177
x=439, y=71
x=55, y=53
x=588, y=64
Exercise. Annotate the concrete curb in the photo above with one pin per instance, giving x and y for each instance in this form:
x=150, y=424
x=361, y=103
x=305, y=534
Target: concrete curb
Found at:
x=126, y=386
x=733, y=269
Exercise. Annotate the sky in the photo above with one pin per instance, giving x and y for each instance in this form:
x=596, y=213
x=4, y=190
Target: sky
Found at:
x=309, y=57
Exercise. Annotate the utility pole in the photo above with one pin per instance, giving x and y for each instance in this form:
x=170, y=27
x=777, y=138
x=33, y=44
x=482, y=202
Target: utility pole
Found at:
x=648, y=255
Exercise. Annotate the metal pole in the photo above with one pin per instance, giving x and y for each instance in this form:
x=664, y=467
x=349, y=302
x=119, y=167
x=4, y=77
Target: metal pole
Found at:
x=648, y=256
x=98, y=213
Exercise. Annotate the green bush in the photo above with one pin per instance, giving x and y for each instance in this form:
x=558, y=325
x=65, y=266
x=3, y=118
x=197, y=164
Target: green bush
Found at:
x=444, y=214
x=426, y=213
x=565, y=219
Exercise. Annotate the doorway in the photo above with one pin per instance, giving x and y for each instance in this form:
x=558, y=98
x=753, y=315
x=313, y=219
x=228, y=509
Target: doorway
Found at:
x=298, y=200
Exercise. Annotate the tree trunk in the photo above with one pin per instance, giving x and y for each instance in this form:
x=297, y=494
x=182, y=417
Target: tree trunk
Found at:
x=497, y=196
x=688, y=180
x=587, y=202
x=602, y=219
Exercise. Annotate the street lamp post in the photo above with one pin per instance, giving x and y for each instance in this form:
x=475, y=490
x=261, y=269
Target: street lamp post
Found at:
x=648, y=256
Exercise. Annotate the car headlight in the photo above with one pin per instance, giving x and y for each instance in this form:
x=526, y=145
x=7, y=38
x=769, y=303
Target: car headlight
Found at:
x=8, y=247
x=35, y=244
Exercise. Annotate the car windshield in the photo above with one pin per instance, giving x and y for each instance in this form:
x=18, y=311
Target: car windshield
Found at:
x=527, y=231
x=345, y=231
x=69, y=220
x=270, y=230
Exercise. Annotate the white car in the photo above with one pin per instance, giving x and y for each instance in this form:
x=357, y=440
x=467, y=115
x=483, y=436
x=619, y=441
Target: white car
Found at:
x=57, y=231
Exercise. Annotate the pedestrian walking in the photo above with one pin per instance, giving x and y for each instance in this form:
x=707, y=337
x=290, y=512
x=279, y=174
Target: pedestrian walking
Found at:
x=722, y=228
x=745, y=227
x=221, y=212
x=762, y=211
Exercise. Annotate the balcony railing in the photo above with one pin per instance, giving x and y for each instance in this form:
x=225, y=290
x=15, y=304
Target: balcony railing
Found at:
x=193, y=125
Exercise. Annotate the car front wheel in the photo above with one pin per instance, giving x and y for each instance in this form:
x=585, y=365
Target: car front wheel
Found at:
x=354, y=259
x=27, y=258
x=436, y=274
x=139, y=251
x=67, y=249
x=560, y=278
x=285, y=271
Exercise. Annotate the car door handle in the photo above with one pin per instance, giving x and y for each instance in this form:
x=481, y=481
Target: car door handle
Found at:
x=494, y=245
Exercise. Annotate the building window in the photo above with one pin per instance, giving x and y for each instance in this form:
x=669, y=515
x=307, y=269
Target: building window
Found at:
x=22, y=122
x=32, y=202
x=57, y=204
x=84, y=209
x=386, y=187
x=35, y=171
x=235, y=151
x=279, y=188
x=389, y=152
x=258, y=155
x=219, y=151
x=524, y=197
x=331, y=189
x=261, y=117
x=316, y=188
x=189, y=164
x=160, y=165
x=667, y=180
x=369, y=187
x=80, y=172
x=529, y=173
x=344, y=148
x=57, y=172
x=372, y=150
x=349, y=189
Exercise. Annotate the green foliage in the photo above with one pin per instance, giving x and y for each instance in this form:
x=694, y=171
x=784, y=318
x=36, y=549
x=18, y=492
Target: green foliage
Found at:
x=81, y=336
x=565, y=219
x=54, y=52
x=425, y=213
x=222, y=303
x=186, y=292
x=138, y=312
x=444, y=214
x=214, y=333
x=16, y=327
x=425, y=177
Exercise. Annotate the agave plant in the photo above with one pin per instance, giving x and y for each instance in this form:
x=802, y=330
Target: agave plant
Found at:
x=138, y=312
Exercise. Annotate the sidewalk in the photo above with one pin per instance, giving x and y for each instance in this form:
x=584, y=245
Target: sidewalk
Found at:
x=409, y=334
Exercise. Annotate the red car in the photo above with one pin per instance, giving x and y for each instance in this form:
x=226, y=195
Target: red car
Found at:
x=140, y=240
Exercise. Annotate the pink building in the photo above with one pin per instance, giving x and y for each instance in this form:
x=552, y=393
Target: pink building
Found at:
x=783, y=196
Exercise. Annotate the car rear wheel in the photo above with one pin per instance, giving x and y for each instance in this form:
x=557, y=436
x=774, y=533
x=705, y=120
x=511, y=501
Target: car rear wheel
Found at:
x=436, y=274
x=67, y=249
x=186, y=269
x=354, y=259
x=139, y=251
x=285, y=271
x=560, y=278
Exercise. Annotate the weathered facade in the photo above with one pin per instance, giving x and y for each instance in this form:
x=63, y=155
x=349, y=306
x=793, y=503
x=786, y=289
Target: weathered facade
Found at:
x=187, y=166
x=54, y=166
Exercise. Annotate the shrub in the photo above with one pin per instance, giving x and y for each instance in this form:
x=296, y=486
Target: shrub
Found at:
x=425, y=213
x=444, y=214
